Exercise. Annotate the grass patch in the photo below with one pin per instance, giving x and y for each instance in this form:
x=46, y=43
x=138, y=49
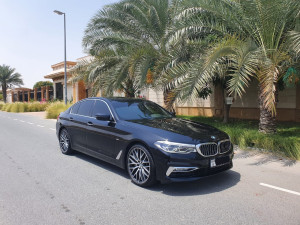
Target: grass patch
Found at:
x=244, y=133
x=18, y=107
x=55, y=108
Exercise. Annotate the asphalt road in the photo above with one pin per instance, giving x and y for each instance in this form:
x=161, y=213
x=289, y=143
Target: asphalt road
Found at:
x=39, y=185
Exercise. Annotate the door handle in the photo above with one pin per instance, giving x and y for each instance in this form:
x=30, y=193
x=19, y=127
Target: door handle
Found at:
x=90, y=124
x=71, y=119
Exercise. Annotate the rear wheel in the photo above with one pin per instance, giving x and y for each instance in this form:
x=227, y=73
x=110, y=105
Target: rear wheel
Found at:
x=140, y=166
x=64, y=142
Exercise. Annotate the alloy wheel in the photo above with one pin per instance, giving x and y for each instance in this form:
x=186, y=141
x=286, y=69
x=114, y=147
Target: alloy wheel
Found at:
x=139, y=166
x=64, y=141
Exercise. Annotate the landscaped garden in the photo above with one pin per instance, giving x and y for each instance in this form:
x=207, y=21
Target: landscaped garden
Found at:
x=244, y=133
x=53, y=109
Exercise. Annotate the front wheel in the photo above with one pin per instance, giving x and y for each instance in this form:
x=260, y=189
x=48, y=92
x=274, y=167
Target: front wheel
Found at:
x=140, y=166
x=64, y=142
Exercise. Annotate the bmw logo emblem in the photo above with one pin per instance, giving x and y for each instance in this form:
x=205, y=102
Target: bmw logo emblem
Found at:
x=213, y=137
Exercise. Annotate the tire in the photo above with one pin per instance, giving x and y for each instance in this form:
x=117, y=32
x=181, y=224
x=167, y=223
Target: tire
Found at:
x=140, y=166
x=64, y=142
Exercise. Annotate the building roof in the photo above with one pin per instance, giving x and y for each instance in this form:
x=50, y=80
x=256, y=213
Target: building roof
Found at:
x=19, y=89
x=59, y=70
x=71, y=63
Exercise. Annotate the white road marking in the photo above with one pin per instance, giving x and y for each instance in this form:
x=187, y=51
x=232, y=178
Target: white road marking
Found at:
x=52, y=129
x=15, y=119
x=22, y=121
x=280, y=189
x=29, y=123
x=40, y=126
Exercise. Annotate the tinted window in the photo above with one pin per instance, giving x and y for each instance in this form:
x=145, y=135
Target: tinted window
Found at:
x=75, y=108
x=85, y=107
x=100, y=108
x=139, y=110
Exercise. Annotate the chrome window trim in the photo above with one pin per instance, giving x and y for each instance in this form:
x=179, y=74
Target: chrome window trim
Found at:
x=206, y=143
x=112, y=115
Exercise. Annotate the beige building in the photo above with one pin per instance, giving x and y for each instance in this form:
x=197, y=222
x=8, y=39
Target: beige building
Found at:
x=75, y=91
x=288, y=106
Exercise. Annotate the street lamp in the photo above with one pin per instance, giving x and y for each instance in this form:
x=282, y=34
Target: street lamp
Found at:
x=65, y=79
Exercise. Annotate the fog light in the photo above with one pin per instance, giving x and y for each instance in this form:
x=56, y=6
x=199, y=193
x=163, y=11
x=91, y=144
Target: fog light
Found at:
x=172, y=169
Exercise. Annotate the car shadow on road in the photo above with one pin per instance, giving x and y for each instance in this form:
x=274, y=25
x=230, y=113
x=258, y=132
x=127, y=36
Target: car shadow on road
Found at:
x=206, y=185
x=102, y=164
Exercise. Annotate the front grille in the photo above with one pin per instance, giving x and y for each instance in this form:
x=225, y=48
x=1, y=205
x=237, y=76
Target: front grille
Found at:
x=208, y=149
x=224, y=146
x=212, y=149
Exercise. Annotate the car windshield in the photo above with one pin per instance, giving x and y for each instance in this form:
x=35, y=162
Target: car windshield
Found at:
x=138, y=110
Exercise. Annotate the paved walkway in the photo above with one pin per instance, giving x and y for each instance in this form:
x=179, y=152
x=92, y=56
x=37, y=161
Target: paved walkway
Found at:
x=37, y=114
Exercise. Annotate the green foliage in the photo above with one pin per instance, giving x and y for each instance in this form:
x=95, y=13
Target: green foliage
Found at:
x=244, y=134
x=8, y=79
x=18, y=107
x=55, y=108
x=1, y=97
x=1, y=105
x=42, y=84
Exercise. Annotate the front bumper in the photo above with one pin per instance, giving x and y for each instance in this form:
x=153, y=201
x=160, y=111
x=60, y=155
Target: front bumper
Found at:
x=189, y=167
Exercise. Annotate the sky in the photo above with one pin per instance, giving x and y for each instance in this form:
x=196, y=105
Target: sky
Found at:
x=32, y=36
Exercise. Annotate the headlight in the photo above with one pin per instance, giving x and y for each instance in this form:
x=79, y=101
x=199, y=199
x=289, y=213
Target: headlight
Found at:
x=173, y=147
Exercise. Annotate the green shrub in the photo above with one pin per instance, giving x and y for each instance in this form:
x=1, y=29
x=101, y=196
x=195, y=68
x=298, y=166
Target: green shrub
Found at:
x=17, y=107
x=244, y=133
x=54, y=109
x=1, y=106
x=7, y=107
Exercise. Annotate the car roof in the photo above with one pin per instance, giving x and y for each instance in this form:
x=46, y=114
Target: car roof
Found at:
x=120, y=99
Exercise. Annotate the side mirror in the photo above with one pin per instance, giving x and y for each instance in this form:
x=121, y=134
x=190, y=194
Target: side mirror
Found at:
x=173, y=114
x=103, y=117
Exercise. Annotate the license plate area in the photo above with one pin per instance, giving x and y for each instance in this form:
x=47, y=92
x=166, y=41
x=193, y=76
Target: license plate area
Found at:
x=213, y=163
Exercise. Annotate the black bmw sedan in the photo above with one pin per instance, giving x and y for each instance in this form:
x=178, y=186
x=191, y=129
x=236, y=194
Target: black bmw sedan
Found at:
x=145, y=139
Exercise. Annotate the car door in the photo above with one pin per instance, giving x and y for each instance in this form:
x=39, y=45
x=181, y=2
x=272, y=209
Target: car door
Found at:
x=79, y=117
x=102, y=135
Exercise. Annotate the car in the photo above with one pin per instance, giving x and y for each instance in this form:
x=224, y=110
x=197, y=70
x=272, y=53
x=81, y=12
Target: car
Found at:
x=138, y=135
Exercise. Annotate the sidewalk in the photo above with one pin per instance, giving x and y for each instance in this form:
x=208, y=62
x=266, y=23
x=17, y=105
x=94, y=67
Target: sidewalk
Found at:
x=41, y=115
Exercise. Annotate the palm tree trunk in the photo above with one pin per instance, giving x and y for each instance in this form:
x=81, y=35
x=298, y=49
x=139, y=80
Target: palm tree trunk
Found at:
x=169, y=99
x=267, y=121
x=129, y=89
x=4, y=92
x=226, y=113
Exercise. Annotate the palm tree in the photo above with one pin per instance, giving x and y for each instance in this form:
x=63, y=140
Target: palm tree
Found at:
x=265, y=23
x=8, y=79
x=138, y=32
x=109, y=71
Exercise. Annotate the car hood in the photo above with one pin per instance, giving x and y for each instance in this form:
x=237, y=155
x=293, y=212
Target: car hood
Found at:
x=196, y=131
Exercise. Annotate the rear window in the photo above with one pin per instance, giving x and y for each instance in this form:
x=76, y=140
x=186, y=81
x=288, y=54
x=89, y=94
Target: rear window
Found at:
x=75, y=108
x=85, y=107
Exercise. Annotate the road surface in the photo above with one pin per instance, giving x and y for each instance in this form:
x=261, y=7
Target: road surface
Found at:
x=39, y=185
